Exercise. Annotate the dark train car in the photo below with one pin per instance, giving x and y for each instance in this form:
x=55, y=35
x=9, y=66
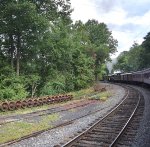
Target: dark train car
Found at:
x=117, y=77
x=129, y=77
x=111, y=77
x=137, y=77
x=126, y=77
x=114, y=77
x=146, y=76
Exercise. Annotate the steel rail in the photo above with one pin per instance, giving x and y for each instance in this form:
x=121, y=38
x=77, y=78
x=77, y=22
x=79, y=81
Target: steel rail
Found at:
x=69, y=143
x=127, y=123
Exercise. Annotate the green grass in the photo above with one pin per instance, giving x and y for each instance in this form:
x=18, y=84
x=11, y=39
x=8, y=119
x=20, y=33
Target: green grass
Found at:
x=101, y=96
x=26, y=110
x=82, y=93
x=76, y=95
x=33, y=109
x=16, y=130
x=72, y=110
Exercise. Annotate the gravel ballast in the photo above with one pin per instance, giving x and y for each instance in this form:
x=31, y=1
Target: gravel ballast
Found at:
x=143, y=136
x=58, y=135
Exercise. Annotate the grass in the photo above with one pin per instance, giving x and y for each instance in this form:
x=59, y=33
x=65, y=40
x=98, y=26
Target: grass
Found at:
x=72, y=110
x=82, y=93
x=16, y=130
x=76, y=95
x=101, y=96
x=34, y=109
x=26, y=110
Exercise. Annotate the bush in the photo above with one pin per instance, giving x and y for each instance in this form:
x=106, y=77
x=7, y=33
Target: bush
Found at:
x=12, y=88
x=54, y=86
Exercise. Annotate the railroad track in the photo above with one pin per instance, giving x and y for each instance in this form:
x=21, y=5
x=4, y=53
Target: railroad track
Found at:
x=45, y=130
x=118, y=128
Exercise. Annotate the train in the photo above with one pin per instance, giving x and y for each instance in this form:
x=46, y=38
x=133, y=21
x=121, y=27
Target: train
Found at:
x=138, y=77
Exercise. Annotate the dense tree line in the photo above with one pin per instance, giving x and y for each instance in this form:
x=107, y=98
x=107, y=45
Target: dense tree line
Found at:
x=137, y=58
x=43, y=53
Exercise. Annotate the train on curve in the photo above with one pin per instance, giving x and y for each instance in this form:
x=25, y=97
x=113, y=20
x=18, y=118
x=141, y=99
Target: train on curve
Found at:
x=139, y=77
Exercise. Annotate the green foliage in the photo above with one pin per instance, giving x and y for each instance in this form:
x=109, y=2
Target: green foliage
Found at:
x=145, y=53
x=54, y=85
x=18, y=129
x=83, y=70
x=69, y=82
x=137, y=58
x=103, y=71
x=32, y=81
x=122, y=63
x=104, y=43
x=12, y=88
x=43, y=53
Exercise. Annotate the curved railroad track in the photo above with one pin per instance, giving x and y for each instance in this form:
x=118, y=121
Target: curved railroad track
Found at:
x=71, y=121
x=118, y=128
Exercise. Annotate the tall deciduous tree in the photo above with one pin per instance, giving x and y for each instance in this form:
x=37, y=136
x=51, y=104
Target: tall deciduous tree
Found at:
x=104, y=43
x=49, y=54
x=23, y=27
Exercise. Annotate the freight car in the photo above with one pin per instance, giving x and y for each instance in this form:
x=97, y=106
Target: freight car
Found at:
x=139, y=77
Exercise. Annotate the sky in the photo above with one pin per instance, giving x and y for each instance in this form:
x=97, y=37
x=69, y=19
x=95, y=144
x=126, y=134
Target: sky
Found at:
x=129, y=21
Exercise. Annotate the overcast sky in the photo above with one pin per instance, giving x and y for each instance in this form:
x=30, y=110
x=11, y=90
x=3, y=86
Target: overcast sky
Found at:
x=129, y=21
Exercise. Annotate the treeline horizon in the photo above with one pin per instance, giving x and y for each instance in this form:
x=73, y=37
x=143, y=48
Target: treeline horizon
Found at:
x=137, y=58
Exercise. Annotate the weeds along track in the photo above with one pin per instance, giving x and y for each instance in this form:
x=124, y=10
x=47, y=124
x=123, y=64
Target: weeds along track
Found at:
x=72, y=105
x=111, y=130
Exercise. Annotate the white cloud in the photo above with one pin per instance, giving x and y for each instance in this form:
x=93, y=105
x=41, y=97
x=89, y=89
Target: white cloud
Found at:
x=83, y=10
x=126, y=40
x=141, y=20
x=116, y=16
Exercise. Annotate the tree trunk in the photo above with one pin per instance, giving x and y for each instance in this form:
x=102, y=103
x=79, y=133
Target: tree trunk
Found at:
x=34, y=86
x=12, y=48
x=18, y=55
x=96, y=67
x=96, y=77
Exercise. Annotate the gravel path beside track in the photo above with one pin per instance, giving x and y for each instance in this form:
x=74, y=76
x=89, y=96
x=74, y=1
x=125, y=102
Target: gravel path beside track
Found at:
x=58, y=135
x=143, y=136
x=52, y=109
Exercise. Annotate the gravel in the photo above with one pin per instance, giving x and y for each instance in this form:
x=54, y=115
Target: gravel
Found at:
x=58, y=135
x=143, y=136
x=37, y=114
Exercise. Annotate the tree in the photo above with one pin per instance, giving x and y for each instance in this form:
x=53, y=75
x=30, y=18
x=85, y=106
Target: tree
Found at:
x=104, y=43
x=130, y=60
x=54, y=9
x=145, y=54
x=122, y=62
x=22, y=29
x=49, y=54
